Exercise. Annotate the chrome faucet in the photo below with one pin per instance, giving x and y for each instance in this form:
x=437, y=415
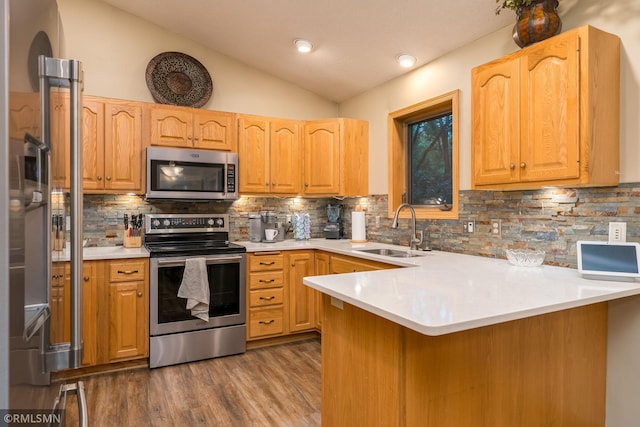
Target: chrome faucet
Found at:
x=416, y=236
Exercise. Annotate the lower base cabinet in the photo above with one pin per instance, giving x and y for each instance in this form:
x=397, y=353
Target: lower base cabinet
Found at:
x=278, y=302
x=115, y=324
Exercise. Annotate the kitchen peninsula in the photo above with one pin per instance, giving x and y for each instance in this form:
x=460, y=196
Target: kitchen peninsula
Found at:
x=462, y=340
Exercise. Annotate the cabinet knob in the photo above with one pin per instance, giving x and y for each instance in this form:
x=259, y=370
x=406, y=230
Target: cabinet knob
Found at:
x=306, y=184
x=512, y=166
x=139, y=294
x=99, y=178
x=523, y=165
x=196, y=138
x=85, y=278
x=266, y=322
x=108, y=178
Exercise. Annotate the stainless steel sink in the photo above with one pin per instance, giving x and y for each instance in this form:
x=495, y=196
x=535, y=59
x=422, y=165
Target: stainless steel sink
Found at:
x=390, y=252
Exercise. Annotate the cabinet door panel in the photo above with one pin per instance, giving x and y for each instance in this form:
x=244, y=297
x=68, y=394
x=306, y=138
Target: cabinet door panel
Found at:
x=253, y=152
x=322, y=157
x=92, y=144
x=551, y=111
x=123, y=133
x=214, y=131
x=170, y=127
x=127, y=319
x=302, y=301
x=495, y=122
x=286, y=162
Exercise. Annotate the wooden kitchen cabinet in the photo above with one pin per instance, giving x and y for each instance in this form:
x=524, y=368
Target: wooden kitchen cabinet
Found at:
x=266, y=290
x=169, y=126
x=336, y=157
x=112, y=146
x=115, y=324
x=302, y=299
x=60, y=304
x=339, y=264
x=128, y=296
x=548, y=115
x=270, y=155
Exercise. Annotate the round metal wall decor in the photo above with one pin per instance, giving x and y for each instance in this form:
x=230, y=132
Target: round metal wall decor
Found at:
x=178, y=79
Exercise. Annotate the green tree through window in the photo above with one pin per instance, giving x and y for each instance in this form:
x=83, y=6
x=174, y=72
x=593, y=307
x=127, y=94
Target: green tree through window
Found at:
x=430, y=159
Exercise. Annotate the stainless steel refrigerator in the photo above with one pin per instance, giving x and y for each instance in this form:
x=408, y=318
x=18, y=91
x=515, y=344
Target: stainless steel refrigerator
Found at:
x=40, y=187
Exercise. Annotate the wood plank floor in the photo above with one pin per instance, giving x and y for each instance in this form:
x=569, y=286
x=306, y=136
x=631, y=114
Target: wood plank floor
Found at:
x=272, y=386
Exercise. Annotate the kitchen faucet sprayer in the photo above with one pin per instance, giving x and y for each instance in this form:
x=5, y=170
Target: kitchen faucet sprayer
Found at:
x=416, y=236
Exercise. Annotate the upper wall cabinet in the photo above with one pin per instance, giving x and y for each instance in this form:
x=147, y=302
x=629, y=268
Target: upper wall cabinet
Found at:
x=548, y=115
x=269, y=155
x=170, y=126
x=112, y=146
x=336, y=157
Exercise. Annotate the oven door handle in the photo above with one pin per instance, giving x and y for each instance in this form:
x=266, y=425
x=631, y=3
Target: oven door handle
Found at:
x=216, y=259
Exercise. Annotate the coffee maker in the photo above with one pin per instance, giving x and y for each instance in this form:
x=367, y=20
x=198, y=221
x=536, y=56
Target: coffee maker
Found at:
x=269, y=221
x=334, y=228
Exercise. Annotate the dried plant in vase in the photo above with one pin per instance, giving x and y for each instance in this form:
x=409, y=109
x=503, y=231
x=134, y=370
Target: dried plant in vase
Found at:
x=537, y=19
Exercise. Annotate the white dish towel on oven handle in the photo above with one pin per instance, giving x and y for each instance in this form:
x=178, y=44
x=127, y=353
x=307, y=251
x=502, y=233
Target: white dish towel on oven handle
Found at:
x=195, y=287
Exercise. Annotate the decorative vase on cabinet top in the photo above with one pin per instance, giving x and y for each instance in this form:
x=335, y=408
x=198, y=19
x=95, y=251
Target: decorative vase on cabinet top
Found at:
x=537, y=22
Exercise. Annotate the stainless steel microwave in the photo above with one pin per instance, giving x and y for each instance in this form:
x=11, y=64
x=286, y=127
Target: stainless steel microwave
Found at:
x=186, y=174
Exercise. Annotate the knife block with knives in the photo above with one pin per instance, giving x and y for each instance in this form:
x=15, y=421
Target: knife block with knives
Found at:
x=132, y=236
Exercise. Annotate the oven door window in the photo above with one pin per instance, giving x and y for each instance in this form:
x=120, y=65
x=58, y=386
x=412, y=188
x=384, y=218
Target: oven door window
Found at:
x=187, y=176
x=224, y=290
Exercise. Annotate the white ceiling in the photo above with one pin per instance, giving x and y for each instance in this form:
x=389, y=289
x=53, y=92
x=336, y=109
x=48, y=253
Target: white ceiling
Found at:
x=355, y=41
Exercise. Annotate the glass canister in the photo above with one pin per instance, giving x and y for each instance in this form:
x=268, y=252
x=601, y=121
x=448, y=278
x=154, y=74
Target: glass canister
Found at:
x=301, y=226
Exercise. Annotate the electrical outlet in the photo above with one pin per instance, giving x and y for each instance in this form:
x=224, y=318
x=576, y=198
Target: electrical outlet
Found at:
x=471, y=226
x=617, y=231
x=496, y=227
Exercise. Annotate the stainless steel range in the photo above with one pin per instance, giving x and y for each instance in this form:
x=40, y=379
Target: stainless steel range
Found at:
x=175, y=335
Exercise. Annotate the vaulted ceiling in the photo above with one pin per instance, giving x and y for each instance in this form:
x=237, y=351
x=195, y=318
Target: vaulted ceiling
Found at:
x=355, y=41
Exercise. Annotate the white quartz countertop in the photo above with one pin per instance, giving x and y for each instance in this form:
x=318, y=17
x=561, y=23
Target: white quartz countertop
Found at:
x=443, y=292
x=102, y=252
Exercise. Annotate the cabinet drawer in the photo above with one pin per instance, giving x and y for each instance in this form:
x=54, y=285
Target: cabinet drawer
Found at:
x=266, y=262
x=266, y=297
x=269, y=321
x=270, y=279
x=127, y=271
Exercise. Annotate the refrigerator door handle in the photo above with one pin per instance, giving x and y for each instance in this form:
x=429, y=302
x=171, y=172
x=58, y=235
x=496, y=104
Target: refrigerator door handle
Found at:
x=56, y=72
x=60, y=404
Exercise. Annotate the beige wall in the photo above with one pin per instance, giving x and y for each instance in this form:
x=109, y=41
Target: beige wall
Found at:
x=115, y=48
x=452, y=71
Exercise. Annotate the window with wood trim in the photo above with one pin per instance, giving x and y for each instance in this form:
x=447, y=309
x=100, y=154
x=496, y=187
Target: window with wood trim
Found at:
x=423, y=158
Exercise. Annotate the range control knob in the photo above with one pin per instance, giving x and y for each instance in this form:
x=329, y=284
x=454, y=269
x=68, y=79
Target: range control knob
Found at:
x=156, y=223
x=219, y=222
x=210, y=221
x=166, y=223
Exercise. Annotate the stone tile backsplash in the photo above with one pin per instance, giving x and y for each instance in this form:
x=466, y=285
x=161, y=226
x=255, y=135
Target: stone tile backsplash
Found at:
x=552, y=219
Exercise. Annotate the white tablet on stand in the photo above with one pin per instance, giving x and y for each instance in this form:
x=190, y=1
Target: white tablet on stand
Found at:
x=609, y=261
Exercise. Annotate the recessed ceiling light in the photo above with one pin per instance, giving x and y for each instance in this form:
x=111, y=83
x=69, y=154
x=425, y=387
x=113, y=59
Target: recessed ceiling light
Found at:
x=405, y=60
x=303, y=46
